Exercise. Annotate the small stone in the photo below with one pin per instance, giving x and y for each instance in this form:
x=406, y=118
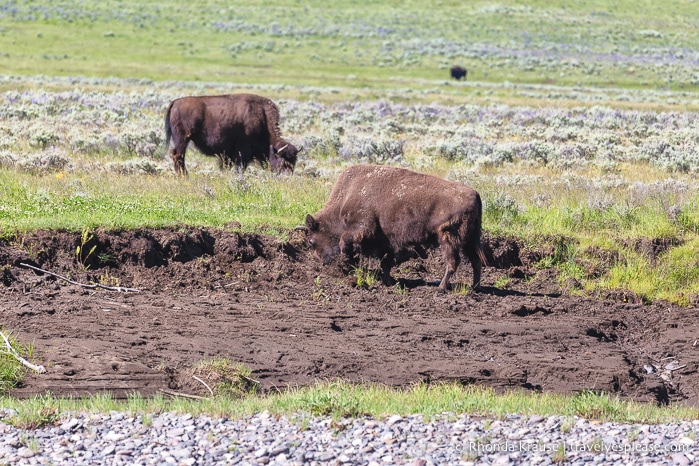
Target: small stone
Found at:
x=679, y=459
x=109, y=450
x=70, y=424
x=686, y=441
x=114, y=437
x=502, y=459
x=181, y=453
x=25, y=452
x=279, y=450
x=179, y=432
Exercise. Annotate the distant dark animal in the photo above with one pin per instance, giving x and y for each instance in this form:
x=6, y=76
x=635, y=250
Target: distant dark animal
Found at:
x=237, y=128
x=458, y=72
x=383, y=211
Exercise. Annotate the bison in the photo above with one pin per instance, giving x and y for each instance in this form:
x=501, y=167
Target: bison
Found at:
x=458, y=72
x=384, y=211
x=236, y=128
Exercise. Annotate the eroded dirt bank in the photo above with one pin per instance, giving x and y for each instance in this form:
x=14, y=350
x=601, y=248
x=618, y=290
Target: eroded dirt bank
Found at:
x=271, y=305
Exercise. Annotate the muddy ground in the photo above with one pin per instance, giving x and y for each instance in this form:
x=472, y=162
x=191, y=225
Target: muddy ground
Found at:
x=270, y=305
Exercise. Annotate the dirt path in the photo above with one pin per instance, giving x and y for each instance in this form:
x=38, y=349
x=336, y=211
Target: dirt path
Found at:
x=270, y=305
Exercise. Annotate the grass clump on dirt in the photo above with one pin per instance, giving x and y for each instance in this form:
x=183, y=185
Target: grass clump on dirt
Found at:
x=224, y=378
x=11, y=369
x=342, y=400
x=365, y=276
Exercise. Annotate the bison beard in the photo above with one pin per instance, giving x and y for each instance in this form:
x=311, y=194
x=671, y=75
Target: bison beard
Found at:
x=383, y=211
x=238, y=129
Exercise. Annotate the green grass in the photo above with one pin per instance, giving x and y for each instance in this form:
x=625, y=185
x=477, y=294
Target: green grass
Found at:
x=340, y=399
x=365, y=276
x=341, y=44
x=674, y=276
x=259, y=201
x=596, y=244
x=11, y=370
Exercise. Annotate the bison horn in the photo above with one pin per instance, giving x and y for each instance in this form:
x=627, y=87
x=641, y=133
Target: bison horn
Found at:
x=283, y=147
x=301, y=228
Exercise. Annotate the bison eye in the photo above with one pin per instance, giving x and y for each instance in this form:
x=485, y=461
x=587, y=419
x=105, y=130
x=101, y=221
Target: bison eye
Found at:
x=311, y=242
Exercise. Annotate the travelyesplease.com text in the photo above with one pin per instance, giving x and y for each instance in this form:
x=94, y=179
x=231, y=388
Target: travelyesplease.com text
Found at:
x=594, y=447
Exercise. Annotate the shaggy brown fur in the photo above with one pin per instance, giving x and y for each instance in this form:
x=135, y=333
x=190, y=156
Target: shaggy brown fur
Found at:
x=236, y=128
x=382, y=211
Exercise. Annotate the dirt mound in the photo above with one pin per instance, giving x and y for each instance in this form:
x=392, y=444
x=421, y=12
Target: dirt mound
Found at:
x=271, y=305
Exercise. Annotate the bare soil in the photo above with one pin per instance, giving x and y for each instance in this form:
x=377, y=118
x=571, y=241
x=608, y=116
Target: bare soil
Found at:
x=270, y=305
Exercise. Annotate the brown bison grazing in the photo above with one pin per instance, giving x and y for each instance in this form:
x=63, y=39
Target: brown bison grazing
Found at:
x=458, y=72
x=383, y=211
x=236, y=128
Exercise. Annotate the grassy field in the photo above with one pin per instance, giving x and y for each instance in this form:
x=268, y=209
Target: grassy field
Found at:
x=343, y=44
x=577, y=122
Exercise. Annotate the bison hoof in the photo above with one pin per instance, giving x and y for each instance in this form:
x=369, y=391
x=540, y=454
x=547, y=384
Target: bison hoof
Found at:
x=388, y=281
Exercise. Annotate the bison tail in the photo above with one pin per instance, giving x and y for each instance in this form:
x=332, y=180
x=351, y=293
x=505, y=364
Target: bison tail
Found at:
x=481, y=256
x=168, y=129
x=477, y=231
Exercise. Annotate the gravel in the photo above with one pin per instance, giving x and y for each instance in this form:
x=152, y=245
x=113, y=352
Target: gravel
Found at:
x=263, y=438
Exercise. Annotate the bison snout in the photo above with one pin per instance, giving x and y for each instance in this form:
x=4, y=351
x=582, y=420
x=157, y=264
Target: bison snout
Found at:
x=280, y=165
x=325, y=255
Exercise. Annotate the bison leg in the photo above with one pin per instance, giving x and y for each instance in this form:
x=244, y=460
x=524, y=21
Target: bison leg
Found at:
x=387, y=264
x=474, y=255
x=178, y=162
x=449, y=234
x=180, y=147
x=225, y=162
x=453, y=258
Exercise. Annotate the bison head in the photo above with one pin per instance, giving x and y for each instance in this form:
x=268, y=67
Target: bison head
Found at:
x=325, y=244
x=282, y=157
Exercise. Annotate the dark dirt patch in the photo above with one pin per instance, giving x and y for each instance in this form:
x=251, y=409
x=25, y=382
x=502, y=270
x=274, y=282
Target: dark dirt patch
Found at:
x=271, y=306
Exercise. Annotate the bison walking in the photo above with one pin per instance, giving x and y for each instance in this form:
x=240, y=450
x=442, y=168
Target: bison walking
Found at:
x=458, y=72
x=236, y=128
x=382, y=211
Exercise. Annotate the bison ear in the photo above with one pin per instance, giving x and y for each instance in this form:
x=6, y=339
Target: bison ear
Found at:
x=311, y=223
